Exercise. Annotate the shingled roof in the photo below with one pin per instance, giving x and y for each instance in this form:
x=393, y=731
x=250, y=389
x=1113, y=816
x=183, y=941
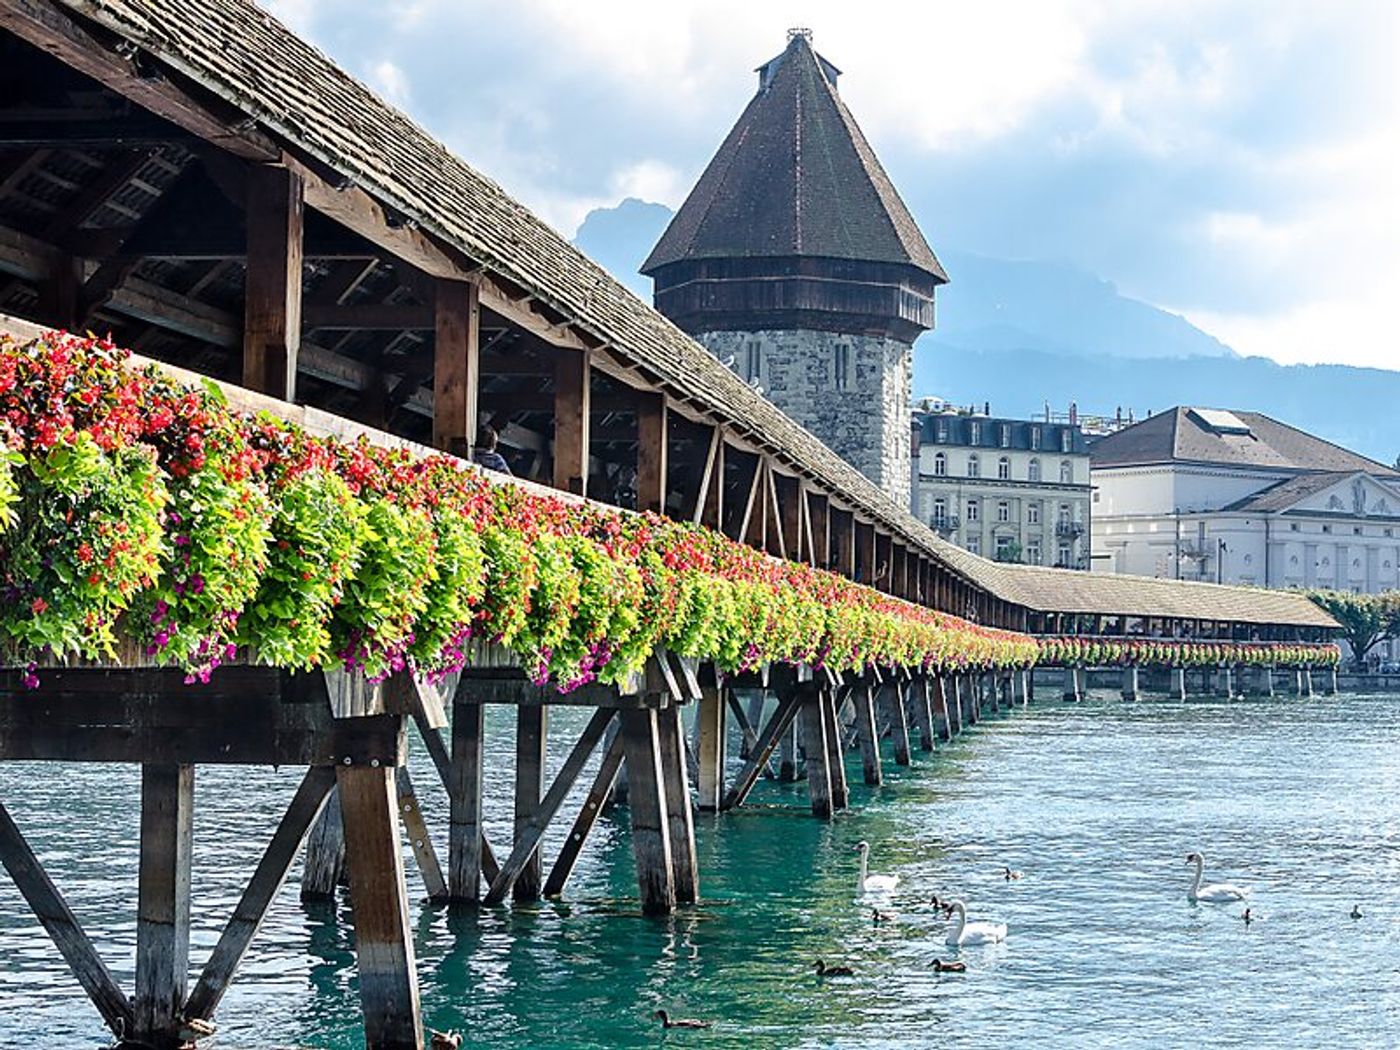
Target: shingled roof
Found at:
x=1185, y=435
x=795, y=177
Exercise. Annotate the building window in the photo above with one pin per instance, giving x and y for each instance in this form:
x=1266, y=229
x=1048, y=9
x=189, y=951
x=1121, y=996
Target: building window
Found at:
x=974, y=466
x=841, y=366
x=940, y=512
x=1035, y=439
x=1388, y=532
x=1033, y=550
x=1357, y=530
x=1063, y=518
x=974, y=510
x=1033, y=513
x=940, y=465
x=1033, y=471
x=1003, y=511
x=1066, y=472
x=942, y=431
x=753, y=361
x=974, y=544
x=974, y=433
x=1004, y=468
x=1064, y=556
x=1004, y=548
x=1006, y=435
x=1327, y=528
x=1292, y=526
x=1066, y=440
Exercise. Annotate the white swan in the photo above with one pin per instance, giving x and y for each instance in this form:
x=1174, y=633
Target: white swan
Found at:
x=973, y=932
x=1214, y=892
x=872, y=883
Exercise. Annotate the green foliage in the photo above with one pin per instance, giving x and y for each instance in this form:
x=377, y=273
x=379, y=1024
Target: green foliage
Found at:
x=10, y=463
x=453, y=594
x=1366, y=619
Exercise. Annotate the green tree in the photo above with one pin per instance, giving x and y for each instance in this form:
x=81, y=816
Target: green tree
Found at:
x=1009, y=553
x=1366, y=619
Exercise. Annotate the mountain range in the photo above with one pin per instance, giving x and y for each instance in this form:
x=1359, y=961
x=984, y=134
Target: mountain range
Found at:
x=1031, y=335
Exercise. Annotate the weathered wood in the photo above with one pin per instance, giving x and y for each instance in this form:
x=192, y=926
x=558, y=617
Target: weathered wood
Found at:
x=531, y=751
x=835, y=754
x=652, y=444
x=750, y=721
x=863, y=696
x=920, y=696
x=787, y=756
x=68, y=936
x=456, y=365
x=709, y=500
x=325, y=854
x=651, y=835
x=943, y=724
x=778, y=724
x=711, y=726
x=262, y=888
x=893, y=702
x=464, y=793
x=383, y=935
x=572, y=382
x=813, y=726
x=685, y=870
x=419, y=840
x=530, y=831
x=588, y=816
x=272, y=292
x=163, y=903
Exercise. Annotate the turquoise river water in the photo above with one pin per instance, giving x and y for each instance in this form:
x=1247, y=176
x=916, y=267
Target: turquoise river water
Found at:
x=1096, y=803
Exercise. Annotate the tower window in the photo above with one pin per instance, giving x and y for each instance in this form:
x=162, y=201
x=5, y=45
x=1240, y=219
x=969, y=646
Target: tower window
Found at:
x=753, y=360
x=1035, y=438
x=841, y=366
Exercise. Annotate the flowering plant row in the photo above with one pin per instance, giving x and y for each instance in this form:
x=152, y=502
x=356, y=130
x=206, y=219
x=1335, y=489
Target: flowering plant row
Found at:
x=1142, y=652
x=133, y=507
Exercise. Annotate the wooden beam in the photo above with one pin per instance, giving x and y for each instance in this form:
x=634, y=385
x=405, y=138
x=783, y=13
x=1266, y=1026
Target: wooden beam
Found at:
x=778, y=724
x=685, y=873
x=419, y=840
x=360, y=317
x=272, y=293
x=456, y=366
x=712, y=732
x=651, y=838
x=652, y=446
x=163, y=902
x=531, y=754
x=262, y=888
x=572, y=396
x=588, y=816
x=709, y=499
x=68, y=936
x=325, y=854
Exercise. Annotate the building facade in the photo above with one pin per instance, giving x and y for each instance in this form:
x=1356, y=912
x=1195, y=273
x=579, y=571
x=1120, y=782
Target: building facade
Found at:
x=796, y=263
x=1007, y=489
x=1238, y=497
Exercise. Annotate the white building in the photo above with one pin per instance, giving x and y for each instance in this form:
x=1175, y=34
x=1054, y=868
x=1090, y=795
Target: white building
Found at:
x=1009, y=489
x=1237, y=497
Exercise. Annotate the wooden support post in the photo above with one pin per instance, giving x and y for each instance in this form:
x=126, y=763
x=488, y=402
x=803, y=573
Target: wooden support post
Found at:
x=531, y=749
x=895, y=709
x=262, y=888
x=685, y=870
x=1130, y=684
x=383, y=936
x=60, y=295
x=711, y=723
x=324, y=866
x=419, y=840
x=272, y=291
x=588, y=816
x=68, y=937
x=972, y=695
x=1178, y=683
x=572, y=404
x=464, y=798
x=778, y=724
x=835, y=755
x=863, y=695
x=163, y=903
x=813, y=726
x=943, y=726
x=920, y=695
x=651, y=835
x=456, y=365
x=1268, y=681
x=709, y=504
x=1071, y=691
x=787, y=756
x=755, y=717
x=652, y=442
x=1308, y=682
x=1027, y=686
x=953, y=696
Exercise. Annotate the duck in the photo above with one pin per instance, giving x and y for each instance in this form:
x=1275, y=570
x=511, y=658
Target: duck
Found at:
x=1212, y=893
x=950, y=966
x=970, y=933
x=445, y=1040
x=1011, y=876
x=1247, y=917
x=1356, y=911
x=872, y=883
x=667, y=1021
x=823, y=970
x=880, y=918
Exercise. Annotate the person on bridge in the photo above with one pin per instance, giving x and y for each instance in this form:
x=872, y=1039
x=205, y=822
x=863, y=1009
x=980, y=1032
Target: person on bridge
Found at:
x=485, y=454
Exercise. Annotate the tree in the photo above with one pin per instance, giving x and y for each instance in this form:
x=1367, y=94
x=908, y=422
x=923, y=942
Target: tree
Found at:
x=1010, y=552
x=1366, y=619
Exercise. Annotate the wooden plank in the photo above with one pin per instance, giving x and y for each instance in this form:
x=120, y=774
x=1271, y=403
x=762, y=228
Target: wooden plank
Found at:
x=530, y=832
x=72, y=942
x=531, y=753
x=587, y=817
x=776, y=534
x=262, y=888
x=383, y=934
x=325, y=854
x=942, y=724
x=464, y=793
x=572, y=380
x=712, y=730
x=419, y=840
x=709, y=498
x=163, y=902
x=835, y=754
x=651, y=837
x=863, y=696
x=272, y=292
x=685, y=871
x=780, y=723
x=920, y=698
x=813, y=722
x=750, y=529
x=652, y=446
x=456, y=365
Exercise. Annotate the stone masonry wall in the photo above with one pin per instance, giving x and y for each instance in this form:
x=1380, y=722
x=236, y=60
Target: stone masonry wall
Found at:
x=866, y=422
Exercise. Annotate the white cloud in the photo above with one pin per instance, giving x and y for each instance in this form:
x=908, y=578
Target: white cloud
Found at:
x=390, y=82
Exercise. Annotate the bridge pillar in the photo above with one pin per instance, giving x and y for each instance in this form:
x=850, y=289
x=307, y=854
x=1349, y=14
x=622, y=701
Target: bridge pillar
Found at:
x=1224, y=682
x=892, y=694
x=921, y=696
x=787, y=755
x=1267, y=681
x=972, y=700
x=651, y=825
x=863, y=695
x=812, y=721
x=990, y=692
x=1027, y=686
x=1071, y=690
x=835, y=753
x=710, y=722
x=1130, y=684
x=942, y=723
x=953, y=704
x=1308, y=683
x=1178, y=683
x=1331, y=686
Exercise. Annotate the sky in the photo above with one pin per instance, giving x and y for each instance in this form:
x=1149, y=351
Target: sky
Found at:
x=1237, y=162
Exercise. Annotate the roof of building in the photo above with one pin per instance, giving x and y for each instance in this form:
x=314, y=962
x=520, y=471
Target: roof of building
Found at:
x=1229, y=438
x=955, y=429
x=1288, y=492
x=1072, y=591
x=795, y=177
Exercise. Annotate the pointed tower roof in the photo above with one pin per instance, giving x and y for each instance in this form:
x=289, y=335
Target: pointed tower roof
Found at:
x=795, y=177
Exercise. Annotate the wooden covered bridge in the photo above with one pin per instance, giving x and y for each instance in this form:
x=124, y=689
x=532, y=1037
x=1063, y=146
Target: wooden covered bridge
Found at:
x=195, y=180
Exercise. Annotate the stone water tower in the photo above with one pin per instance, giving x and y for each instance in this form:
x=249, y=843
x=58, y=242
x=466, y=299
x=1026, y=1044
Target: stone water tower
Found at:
x=796, y=263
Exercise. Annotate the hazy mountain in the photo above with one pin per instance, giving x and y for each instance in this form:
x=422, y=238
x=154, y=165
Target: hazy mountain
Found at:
x=1021, y=334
